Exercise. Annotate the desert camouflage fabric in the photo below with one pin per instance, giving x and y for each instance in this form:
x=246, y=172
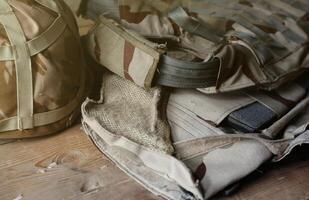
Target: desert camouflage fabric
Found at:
x=258, y=43
x=195, y=156
x=173, y=141
x=123, y=52
x=40, y=90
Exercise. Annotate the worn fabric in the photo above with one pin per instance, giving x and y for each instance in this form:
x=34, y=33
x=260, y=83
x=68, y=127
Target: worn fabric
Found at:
x=261, y=43
x=148, y=62
x=123, y=53
x=218, y=159
x=56, y=70
x=127, y=110
x=214, y=157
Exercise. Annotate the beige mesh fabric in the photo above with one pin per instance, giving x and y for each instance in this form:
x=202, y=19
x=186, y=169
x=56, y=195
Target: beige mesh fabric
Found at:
x=130, y=111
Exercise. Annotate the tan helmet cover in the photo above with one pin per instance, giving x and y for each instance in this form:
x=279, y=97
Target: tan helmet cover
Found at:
x=41, y=67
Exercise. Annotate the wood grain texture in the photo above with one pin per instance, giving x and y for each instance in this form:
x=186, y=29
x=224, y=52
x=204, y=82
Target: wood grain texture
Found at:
x=62, y=166
x=68, y=166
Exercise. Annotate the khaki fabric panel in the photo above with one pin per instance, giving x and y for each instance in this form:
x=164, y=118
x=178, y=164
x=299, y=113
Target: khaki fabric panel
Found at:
x=141, y=16
x=123, y=52
x=298, y=126
x=286, y=68
x=94, y=8
x=215, y=161
x=291, y=92
x=270, y=44
x=207, y=157
x=186, y=125
x=211, y=108
x=275, y=129
x=227, y=163
x=152, y=25
x=161, y=184
x=264, y=47
x=238, y=69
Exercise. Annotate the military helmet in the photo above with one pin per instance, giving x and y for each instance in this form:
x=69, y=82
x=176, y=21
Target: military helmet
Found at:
x=41, y=68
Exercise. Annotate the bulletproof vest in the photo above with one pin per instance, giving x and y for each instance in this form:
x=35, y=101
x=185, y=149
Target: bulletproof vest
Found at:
x=216, y=46
x=156, y=119
x=42, y=68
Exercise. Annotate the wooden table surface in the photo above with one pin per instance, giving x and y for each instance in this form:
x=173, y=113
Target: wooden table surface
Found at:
x=68, y=166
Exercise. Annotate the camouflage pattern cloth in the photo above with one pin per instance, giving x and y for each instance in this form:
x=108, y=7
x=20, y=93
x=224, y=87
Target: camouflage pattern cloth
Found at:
x=124, y=53
x=198, y=156
x=43, y=80
x=258, y=43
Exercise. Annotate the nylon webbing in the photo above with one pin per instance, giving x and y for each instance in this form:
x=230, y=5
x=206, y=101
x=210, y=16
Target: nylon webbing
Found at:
x=181, y=18
x=39, y=43
x=41, y=119
x=68, y=17
x=61, y=8
x=22, y=65
x=183, y=74
x=48, y=37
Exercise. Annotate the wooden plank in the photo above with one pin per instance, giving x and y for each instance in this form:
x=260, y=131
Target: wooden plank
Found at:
x=69, y=166
x=62, y=166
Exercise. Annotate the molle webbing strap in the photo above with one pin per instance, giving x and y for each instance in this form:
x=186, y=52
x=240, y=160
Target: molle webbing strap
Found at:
x=193, y=26
x=22, y=65
x=39, y=43
x=48, y=37
x=183, y=74
x=270, y=29
x=59, y=7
